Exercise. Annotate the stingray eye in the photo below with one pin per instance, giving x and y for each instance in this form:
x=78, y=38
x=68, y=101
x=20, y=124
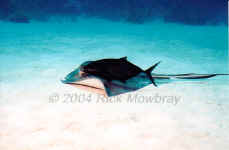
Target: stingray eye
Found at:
x=88, y=69
x=85, y=65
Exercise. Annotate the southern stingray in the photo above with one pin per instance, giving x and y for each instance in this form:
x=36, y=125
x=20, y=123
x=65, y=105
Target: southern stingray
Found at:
x=111, y=77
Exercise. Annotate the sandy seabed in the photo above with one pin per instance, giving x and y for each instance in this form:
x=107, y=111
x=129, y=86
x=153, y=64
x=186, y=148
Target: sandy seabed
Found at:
x=195, y=122
x=39, y=112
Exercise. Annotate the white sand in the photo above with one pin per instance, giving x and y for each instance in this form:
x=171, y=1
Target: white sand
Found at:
x=28, y=120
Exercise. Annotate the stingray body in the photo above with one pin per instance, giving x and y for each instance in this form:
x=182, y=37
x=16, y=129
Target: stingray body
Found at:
x=115, y=69
x=111, y=77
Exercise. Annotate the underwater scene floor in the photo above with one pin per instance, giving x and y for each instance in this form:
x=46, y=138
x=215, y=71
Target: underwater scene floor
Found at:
x=37, y=111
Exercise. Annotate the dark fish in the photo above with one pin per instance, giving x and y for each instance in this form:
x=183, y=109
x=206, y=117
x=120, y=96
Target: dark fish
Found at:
x=115, y=69
x=111, y=77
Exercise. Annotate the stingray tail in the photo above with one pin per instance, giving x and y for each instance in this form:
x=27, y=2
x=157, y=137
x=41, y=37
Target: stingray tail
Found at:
x=149, y=70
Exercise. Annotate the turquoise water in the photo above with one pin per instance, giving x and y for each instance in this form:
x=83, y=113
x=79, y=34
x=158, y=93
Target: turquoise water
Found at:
x=28, y=50
x=34, y=57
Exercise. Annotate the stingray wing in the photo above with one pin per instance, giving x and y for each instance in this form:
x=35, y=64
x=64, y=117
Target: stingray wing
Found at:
x=114, y=69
